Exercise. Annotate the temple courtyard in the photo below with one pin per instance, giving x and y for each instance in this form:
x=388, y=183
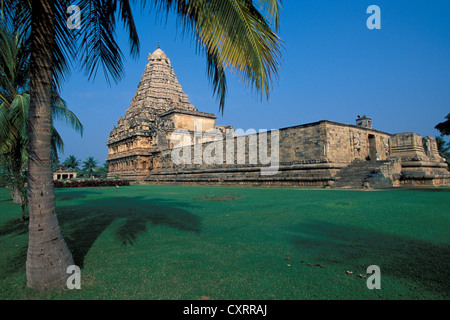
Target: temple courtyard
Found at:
x=205, y=242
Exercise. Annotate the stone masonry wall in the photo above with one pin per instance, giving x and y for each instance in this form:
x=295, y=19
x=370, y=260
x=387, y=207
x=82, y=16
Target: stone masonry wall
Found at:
x=347, y=143
x=297, y=145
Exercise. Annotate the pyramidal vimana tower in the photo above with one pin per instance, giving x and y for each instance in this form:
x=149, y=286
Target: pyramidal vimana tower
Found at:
x=323, y=153
x=158, y=107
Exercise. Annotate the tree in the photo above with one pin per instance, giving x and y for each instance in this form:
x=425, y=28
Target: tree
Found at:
x=103, y=170
x=14, y=106
x=443, y=148
x=444, y=127
x=89, y=165
x=13, y=173
x=14, y=58
x=233, y=34
x=71, y=162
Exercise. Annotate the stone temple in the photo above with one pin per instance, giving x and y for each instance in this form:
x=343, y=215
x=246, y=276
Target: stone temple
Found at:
x=161, y=123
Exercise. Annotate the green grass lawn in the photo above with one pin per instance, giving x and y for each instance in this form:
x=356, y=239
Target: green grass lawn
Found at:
x=189, y=242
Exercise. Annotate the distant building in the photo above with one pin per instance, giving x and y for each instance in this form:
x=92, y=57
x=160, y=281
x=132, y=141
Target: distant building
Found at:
x=61, y=173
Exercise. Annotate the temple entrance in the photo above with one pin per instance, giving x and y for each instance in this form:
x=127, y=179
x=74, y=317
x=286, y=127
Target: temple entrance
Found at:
x=373, y=148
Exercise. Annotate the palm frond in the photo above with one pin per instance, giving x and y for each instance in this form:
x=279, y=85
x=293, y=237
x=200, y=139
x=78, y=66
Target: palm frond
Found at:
x=4, y=125
x=61, y=112
x=18, y=114
x=8, y=54
x=126, y=15
x=273, y=10
x=217, y=75
x=14, y=95
x=14, y=34
x=235, y=36
x=98, y=45
x=65, y=44
x=57, y=143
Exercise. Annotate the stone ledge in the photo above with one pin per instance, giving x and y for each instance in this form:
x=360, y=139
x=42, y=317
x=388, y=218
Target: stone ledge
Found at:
x=188, y=112
x=424, y=164
x=317, y=166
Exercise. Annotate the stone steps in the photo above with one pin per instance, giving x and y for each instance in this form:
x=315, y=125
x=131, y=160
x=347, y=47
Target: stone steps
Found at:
x=356, y=174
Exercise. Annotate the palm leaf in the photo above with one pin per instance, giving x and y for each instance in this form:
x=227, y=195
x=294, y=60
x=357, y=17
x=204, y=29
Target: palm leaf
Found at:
x=61, y=112
x=98, y=46
x=273, y=10
x=18, y=113
x=4, y=126
x=126, y=15
x=234, y=35
x=14, y=96
x=57, y=143
x=65, y=45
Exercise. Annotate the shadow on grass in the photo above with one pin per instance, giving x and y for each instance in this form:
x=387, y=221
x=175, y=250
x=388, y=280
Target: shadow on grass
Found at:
x=420, y=262
x=14, y=227
x=15, y=263
x=83, y=224
x=73, y=194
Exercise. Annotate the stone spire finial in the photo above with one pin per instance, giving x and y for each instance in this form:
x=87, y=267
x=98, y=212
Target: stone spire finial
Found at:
x=158, y=54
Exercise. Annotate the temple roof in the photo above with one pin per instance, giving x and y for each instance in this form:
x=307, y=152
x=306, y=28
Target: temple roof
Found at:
x=158, y=92
x=159, y=89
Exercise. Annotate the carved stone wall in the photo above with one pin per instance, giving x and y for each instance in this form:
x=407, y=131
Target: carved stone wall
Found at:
x=346, y=143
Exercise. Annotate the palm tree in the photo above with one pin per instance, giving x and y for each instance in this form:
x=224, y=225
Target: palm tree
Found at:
x=39, y=112
x=234, y=34
x=103, y=170
x=71, y=162
x=14, y=106
x=14, y=173
x=89, y=165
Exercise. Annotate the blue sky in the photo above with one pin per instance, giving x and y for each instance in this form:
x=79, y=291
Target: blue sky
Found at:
x=333, y=68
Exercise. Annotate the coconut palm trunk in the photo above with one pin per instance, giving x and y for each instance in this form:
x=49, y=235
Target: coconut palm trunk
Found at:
x=48, y=255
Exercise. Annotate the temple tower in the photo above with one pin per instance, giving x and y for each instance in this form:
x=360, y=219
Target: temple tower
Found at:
x=158, y=107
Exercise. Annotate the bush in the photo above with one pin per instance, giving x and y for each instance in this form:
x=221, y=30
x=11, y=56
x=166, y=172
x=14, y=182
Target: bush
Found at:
x=90, y=183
